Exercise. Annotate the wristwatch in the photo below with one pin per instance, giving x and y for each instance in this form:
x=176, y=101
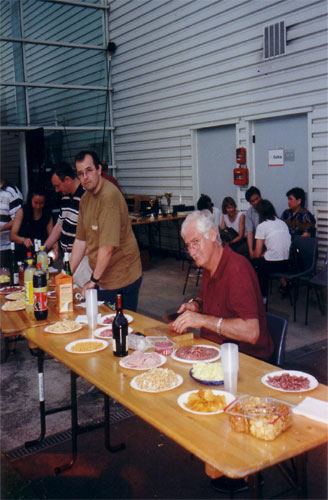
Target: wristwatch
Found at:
x=196, y=300
x=94, y=280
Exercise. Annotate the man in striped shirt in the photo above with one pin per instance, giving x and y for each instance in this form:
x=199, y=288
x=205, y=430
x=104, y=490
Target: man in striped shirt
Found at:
x=64, y=180
x=10, y=201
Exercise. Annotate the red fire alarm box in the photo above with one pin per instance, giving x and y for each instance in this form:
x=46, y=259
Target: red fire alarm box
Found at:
x=240, y=176
x=241, y=155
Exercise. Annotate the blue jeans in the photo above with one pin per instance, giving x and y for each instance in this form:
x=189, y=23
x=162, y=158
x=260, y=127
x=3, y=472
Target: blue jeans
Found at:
x=129, y=294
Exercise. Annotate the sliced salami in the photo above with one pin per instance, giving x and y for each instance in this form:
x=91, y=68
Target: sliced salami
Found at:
x=196, y=353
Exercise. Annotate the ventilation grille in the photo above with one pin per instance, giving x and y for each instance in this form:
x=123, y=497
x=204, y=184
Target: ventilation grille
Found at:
x=274, y=40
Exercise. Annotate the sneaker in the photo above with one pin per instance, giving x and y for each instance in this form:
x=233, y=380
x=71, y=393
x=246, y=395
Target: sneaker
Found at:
x=92, y=396
x=227, y=485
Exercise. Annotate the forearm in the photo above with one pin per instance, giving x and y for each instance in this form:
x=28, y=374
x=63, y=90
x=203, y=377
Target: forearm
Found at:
x=77, y=254
x=250, y=240
x=54, y=235
x=233, y=328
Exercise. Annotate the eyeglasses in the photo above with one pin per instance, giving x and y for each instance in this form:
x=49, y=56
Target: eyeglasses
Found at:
x=87, y=171
x=194, y=244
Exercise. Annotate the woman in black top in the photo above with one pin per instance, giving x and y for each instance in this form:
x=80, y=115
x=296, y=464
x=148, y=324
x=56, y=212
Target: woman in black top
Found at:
x=32, y=221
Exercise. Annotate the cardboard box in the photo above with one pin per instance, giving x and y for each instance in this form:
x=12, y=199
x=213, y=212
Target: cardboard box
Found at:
x=64, y=292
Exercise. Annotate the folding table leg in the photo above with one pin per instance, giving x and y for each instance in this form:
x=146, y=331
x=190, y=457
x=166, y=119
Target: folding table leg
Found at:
x=301, y=478
x=40, y=356
x=253, y=486
x=109, y=447
x=74, y=422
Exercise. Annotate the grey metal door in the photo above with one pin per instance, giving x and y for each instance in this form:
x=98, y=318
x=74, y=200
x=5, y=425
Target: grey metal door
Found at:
x=290, y=135
x=216, y=160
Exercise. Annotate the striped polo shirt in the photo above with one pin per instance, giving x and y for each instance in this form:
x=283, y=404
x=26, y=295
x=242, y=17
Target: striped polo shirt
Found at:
x=68, y=216
x=10, y=201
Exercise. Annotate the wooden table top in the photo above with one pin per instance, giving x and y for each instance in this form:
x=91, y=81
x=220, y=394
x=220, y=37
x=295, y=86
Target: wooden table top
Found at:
x=149, y=220
x=208, y=437
x=14, y=322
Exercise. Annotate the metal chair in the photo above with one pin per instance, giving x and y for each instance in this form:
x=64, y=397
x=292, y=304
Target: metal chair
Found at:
x=319, y=281
x=277, y=326
x=190, y=274
x=305, y=252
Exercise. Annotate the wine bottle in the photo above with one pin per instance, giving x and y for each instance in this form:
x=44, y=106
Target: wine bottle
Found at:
x=120, y=330
x=67, y=267
x=14, y=278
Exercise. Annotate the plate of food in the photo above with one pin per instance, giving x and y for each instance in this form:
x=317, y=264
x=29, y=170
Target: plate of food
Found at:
x=289, y=381
x=205, y=402
x=86, y=346
x=16, y=296
x=14, y=305
x=139, y=360
x=207, y=373
x=109, y=318
x=64, y=326
x=156, y=380
x=4, y=278
x=196, y=353
x=11, y=289
x=106, y=332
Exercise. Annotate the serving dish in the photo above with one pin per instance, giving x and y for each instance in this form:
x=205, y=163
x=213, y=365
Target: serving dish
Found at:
x=312, y=381
x=183, y=399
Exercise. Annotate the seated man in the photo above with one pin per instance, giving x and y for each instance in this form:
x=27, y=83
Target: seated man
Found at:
x=298, y=219
x=230, y=305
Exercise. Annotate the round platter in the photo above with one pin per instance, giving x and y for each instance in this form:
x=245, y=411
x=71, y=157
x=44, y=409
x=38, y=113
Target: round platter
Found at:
x=206, y=382
x=209, y=360
x=313, y=383
x=134, y=385
x=99, y=332
x=112, y=316
x=160, y=363
x=70, y=346
x=11, y=289
x=50, y=329
x=183, y=398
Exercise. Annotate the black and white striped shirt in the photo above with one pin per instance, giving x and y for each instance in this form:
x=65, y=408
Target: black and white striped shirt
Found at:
x=68, y=216
x=11, y=200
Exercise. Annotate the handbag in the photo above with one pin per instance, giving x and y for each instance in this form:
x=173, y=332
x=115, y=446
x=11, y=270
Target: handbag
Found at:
x=228, y=234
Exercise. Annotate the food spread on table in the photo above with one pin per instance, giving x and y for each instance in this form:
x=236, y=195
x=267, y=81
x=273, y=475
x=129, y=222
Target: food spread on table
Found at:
x=290, y=381
x=4, y=278
x=88, y=346
x=207, y=373
x=206, y=401
x=16, y=296
x=14, y=305
x=191, y=353
x=156, y=380
x=264, y=418
x=139, y=360
x=11, y=289
x=64, y=326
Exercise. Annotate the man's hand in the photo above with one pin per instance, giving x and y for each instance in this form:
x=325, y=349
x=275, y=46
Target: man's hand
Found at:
x=188, y=306
x=89, y=285
x=189, y=319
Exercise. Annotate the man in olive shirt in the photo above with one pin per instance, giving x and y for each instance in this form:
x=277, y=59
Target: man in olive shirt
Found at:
x=104, y=230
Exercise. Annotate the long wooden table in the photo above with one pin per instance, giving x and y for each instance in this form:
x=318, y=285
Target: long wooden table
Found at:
x=208, y=437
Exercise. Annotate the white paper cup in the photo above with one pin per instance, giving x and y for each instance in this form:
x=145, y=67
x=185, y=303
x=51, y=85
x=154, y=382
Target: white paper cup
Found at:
x=230, y=366
x=92, y=307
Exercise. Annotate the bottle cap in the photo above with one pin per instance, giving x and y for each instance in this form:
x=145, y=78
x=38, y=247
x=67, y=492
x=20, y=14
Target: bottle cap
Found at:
x=38, y=266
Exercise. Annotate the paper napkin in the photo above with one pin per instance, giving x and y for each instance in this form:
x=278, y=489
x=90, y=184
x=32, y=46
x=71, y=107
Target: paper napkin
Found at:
x=315, y=409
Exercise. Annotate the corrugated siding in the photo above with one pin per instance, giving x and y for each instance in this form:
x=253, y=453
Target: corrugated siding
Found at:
x=183, y=64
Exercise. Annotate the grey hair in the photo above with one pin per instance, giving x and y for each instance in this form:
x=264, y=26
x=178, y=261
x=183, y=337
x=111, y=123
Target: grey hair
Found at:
x=205, y=221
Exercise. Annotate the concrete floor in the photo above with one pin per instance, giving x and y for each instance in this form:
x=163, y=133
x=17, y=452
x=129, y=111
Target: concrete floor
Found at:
x=161, y=293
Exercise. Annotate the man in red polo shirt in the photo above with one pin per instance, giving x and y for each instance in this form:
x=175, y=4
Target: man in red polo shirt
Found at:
x=230, y=305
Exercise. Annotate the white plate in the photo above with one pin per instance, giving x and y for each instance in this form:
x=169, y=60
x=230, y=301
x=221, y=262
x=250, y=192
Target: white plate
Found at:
x=101, y=322
x=11, y=296
x=134, y=385
x=313, y=381
x=84, y=304
x=97, y=333
x=160, y=363
x=12, y=310
x=183, y=398
x=173, y=356
x=48, y=329
x=69, y=346
x=11, y=289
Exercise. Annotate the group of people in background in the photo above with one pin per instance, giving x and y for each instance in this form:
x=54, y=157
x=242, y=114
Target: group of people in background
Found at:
x=260, y=235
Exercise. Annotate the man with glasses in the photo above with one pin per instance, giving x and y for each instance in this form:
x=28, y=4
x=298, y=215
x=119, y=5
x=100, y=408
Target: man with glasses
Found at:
x=104, y=230
x=64, y=181
x=230, y=305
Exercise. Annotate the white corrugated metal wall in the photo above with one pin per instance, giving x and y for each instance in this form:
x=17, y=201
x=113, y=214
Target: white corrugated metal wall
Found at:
x=185, y=64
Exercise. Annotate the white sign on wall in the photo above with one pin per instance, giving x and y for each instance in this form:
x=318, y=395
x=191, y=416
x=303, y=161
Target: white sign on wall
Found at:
x=275, y=157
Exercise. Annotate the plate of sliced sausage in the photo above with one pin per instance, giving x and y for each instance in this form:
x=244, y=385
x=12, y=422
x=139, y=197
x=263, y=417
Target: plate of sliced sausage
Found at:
x=196, y=353
x=289, y=381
